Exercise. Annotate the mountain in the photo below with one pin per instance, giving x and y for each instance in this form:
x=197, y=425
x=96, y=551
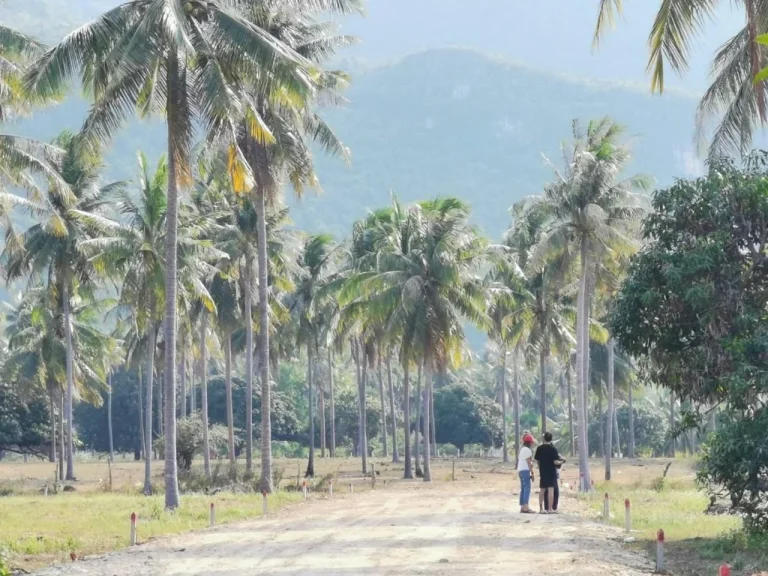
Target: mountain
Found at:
x=447, y=122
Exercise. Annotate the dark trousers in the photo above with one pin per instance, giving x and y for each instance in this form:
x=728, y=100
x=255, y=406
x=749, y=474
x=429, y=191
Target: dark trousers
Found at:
x=556, y=496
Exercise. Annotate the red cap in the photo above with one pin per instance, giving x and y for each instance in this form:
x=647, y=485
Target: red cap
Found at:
x=527, y=438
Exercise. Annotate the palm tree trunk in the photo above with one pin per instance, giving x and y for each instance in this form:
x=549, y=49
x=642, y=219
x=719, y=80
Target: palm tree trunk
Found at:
x=516, y=401
x=601, y=424
x=363, y=412
x=109, y=417
x=176, y=100
x=356, y=356
x=543, y=388
x=432, y=424
x=248, y=367
x=427, y=429
x=570, y=405
x=320, y=408
x=671, y=425
x=52, y=408
x=383, y=407
x=631, y=439
x=616, y=437
x=230, y=414
x=148, y=415
x=503, y=386
x=609, y=430
x=204, y=394
x=419, y=420
x=582, y=353
x=61, y=436
x=408, y=472
x=70, y=384
x=182, y=374
x=140, y=392
x=192, y=391
x=266, y=384
x=395, y=453
x=333, y=402
x=310, y=473
x=159, y=404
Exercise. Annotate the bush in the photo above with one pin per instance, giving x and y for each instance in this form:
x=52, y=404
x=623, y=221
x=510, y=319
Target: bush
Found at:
x=734, y=464
x=189, y=440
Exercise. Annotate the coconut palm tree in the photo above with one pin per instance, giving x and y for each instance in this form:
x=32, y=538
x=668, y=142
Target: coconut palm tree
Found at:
x=177, y=58
x=22, y=159
x=49, y=252
x=430, y=290
x=591, y=213
x=316, y=271
x=131, y=250
x=738, y=95
x=37, y=352
x=543, y=308
x=286, y=157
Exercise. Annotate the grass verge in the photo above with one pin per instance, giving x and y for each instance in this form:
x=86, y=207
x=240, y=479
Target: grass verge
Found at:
x=696, y=543
x=39, y=530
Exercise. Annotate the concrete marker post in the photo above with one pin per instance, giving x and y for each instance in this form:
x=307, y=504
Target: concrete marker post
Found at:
x=264, y=503
x=660, y=551
x=304, y=489
x=133, y=529
x=607, y=506
x=330, y=488
x=212, y=515
x=627, y=516
x=351, y=488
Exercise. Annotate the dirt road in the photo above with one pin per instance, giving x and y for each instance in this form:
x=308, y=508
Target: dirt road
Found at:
x=446, y=529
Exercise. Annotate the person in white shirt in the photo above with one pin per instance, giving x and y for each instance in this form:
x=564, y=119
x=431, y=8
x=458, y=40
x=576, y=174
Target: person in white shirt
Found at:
x=525, y=471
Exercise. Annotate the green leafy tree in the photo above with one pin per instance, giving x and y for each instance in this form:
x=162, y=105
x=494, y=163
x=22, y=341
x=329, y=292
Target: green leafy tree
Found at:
x=694, y=304
x=465, y=417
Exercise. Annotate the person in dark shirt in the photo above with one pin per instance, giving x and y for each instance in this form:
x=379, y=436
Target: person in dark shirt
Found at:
x=549, y=459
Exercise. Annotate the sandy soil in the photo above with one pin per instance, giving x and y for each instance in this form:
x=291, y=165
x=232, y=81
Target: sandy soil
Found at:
x=462, y=528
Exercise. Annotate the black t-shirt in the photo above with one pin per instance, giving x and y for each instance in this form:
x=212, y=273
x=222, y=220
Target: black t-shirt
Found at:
x=546, y=455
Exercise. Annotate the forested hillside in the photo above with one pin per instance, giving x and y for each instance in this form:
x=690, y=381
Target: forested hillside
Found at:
x=449, y=123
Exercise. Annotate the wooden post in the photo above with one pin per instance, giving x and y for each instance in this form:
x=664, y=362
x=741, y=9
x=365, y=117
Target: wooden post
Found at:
x=627, y=516
x=330, y=488
x=264, y=505
x=660, y=551
x=304, y=489
x=453, y=471
x=373, y=476
x=212, y=516
x=607, y=507
x=133, y=529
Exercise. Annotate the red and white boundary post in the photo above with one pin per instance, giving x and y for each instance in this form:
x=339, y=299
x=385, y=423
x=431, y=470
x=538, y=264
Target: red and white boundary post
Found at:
x=330, y=488
x=304, y=488
x=607, y=506
x=212, y=515
x=264, y=505
x=133, y=528
x=725, y=570
x=627, y=516
x=660, y=551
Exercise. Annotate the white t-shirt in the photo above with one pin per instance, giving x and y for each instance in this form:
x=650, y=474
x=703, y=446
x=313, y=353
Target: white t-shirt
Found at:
x=522, y=459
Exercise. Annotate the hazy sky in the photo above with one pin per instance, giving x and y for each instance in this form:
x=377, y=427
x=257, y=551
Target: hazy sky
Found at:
x=554, y=35
x=546, y=34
